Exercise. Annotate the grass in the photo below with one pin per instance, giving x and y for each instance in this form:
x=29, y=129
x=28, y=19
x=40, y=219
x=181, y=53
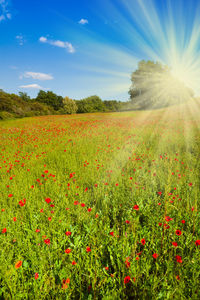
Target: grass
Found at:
x=90, y=206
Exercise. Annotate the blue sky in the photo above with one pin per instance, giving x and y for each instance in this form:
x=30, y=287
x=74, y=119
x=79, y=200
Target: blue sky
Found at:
x=81, y=48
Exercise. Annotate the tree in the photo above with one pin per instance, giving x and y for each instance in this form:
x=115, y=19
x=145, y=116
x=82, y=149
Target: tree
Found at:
x=69, y=106
x=153, y=86
x=24, y=96
x=90, y=104
x=50, y=98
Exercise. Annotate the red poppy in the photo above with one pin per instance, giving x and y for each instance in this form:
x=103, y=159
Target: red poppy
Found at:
x=68, y=233
x=18, y=264
x=22, y=202
x=155, y=255
x=111, y=233
x=178, y=259
x=48, y=200
x=36, y=276
x=73, y=263
x=143, y=242
x=4, y=230
x=127, y=279
x=88, y=249
x=183, y=221
x=68, y=250
x=197, y=243
x=175, y=244
x=47, y=241
x=136, y=207
x=178, y=232
x=127, y=222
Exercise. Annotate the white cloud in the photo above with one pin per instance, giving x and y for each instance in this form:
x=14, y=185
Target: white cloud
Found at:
x=32, y=86
x=42, y=39
x=83, y=21
x=20, y=39
x=4, y=11
x=58, y=43
x=36, y=75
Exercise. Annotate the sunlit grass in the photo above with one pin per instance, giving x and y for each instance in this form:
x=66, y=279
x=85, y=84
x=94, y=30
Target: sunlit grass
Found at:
x=109, y=183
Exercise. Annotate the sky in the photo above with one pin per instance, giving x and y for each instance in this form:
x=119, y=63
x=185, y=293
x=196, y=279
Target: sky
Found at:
x=81, y=48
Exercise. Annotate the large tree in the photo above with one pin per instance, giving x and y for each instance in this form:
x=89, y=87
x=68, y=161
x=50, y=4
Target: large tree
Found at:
x=50, y=98
x=153, y=86
x=70, y=106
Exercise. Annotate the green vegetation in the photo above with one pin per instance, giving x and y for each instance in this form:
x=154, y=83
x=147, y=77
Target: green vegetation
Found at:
x=101, y=206
x=153, y=86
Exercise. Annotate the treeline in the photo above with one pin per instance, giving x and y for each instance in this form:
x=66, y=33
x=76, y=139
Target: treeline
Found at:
x=48, y=103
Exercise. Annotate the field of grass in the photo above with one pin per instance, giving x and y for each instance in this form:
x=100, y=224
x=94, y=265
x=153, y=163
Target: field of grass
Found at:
x=100, y=206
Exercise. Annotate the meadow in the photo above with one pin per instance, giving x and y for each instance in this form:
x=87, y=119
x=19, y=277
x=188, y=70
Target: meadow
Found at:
x=100, y=206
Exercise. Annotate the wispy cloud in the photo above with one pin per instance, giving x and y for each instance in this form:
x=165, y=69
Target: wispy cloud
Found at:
x=20, y=39
x=61, y=44
x=4, y=10
x=37, y=76
x=33, y=86
x=83, y=21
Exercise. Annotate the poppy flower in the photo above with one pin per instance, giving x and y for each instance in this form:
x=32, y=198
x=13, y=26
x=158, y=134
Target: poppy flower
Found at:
x=136, y=207
x=88, y=249
x=47, y=241
x=143, y=242
x=155, y=255
x=68, y=250
x=178, y=232
x=4, y=230
x=48, y=200
x=111, y=233
x=197, y=243
x=36, y=276
x=18, y=264
x=68, y=233
x=127, y=279
x=65, y=283
x=175, y=244
x=73, y=263
x=178, y=259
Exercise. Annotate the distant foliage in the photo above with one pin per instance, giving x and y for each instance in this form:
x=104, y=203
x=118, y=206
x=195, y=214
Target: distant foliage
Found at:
x=153, y=86
x=90, y=104
x=50, y=99
x=69, y=106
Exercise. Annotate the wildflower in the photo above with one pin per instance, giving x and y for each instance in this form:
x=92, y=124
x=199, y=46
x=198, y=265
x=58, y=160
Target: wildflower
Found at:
x=183, y=221
x=48, y=200
x=127, y=279
x=155, y=255
x=18, y=264
x=127, y=222
x=178, y=259
x=88, y=249
x=136, y=207
x=175, y=244
x=22, y=202
x=143, y=242
x=178, y=232
x=47, y=241
x=73, y=263
x=68, y=233
x=197, y=243
x=111, y=233
x=65, y=283
x=4, y=230
x=68, y=250
x=36, y=276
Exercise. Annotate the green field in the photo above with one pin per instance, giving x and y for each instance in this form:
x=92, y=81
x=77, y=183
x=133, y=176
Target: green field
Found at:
x=101, y=206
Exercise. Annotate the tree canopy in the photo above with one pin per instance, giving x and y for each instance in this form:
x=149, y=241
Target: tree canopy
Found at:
x=153, y=86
